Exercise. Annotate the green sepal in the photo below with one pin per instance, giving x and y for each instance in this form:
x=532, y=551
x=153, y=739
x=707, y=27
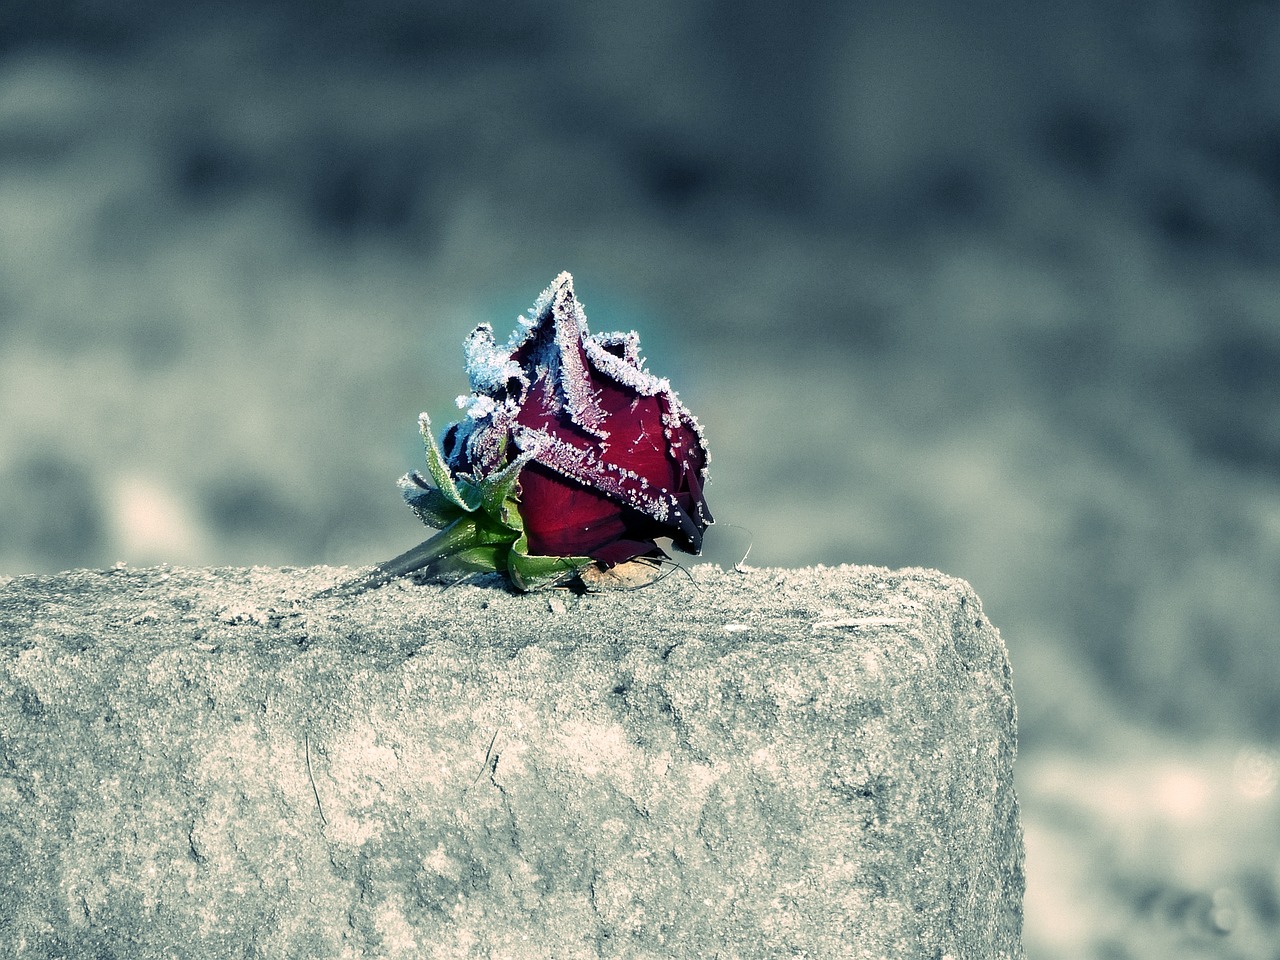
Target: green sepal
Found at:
x=500, y=493
x=511, y=515
x=488, y=532
x=465, y=494
x=432, y=507
x=472, y=493
x=490, y=558
x=536, y=573
x=481, y=526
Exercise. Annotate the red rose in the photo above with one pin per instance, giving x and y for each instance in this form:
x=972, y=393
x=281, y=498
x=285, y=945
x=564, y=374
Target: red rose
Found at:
x=615, y=460
x=571, y=452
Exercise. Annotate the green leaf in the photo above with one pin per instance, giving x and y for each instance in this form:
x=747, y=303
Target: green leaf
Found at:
x=470, y=500
x=536, y=573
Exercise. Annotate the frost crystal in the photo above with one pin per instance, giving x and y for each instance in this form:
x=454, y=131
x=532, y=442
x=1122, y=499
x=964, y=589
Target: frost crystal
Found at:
x=477, y=405
x=489, y=368
x=627, y=369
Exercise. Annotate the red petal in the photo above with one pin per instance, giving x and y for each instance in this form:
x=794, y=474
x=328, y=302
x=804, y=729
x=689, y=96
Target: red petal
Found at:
x=563, y=518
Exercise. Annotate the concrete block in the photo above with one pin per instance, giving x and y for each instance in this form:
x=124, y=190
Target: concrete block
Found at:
x=773, y=763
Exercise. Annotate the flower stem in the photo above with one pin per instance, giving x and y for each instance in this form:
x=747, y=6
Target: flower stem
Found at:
x=454, y=538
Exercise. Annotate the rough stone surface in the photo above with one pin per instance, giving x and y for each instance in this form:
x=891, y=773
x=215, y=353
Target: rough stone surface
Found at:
x=211, y=763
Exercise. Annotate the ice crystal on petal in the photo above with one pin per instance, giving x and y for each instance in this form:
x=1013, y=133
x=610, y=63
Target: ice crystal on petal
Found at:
x=627, y=369
x=477, y=405
x=489, y=368
x=569, y=326
x=563, y=281
x=623, y=345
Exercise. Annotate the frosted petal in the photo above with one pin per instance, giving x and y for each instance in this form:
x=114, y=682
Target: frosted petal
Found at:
x=587, y=467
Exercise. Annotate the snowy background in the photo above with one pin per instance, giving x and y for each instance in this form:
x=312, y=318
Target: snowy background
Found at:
x=991, y=287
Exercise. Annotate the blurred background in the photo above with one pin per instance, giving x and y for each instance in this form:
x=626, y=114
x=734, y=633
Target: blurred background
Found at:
x=992, y=287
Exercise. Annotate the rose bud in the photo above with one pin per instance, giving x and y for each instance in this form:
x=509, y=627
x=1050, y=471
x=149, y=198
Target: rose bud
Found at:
x=615, y=460
x=571, y=452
